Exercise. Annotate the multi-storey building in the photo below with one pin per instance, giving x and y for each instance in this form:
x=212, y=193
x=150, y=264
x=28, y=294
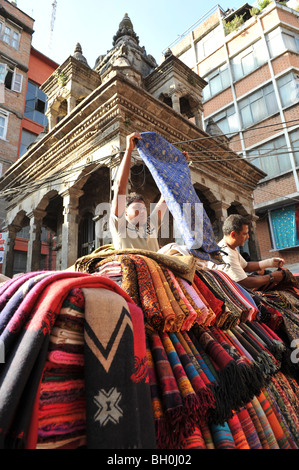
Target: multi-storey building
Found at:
x=16, y=29
x=22, y=105
x=249, y=58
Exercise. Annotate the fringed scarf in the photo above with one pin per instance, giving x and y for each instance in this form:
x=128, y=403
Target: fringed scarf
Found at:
x=147, y=294
x=171, y=397
x=172, y=313
x=206, y=400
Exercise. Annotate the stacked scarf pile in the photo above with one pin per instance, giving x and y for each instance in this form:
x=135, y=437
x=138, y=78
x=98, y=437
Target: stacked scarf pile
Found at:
x=160, y=361
x=61, y=407
x=222, y=389
x=67, y=383
x=171, y=302
x=214, y=366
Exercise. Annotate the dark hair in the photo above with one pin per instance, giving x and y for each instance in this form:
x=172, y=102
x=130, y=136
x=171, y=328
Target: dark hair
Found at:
x=234, y=223
x=134, y=197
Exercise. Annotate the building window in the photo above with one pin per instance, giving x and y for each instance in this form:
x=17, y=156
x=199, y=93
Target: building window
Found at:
x=26, y=139
x=279, y=41
x=272, y=157
x=209, y=43
x=35, y=105
x=249, y=60
x=3, y=124
x=10, y=77
x=285, y=230
x=9, y=35
x=288, y=86
x=227, y=120
x=217, y=81
x=294, y=138
x=258, y=105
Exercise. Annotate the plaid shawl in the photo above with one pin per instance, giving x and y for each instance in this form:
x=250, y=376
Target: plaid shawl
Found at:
x=171, y=173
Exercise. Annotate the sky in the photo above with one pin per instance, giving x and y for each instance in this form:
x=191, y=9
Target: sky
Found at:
x=93, y=23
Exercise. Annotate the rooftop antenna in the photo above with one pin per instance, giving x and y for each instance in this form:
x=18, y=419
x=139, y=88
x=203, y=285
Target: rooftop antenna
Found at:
x=53, y=16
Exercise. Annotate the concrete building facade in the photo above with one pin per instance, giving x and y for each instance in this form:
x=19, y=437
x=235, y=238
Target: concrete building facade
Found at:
x=64, y=182
x=249, y=58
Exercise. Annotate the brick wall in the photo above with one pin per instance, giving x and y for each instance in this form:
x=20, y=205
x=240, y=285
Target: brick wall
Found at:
x=263, y=130
x=285, y=61
x=218, y=102
x=243, y=38
x=252, y=81
x=275, y=188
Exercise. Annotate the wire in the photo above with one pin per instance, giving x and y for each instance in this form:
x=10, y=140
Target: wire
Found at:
x=248, y=186
x=213, y=137
x=56, y=177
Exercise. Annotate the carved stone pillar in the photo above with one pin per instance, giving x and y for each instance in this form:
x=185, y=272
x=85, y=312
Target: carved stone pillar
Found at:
x=69, y=241
x=71, y=103
x=34, y=243
x=197, y=113
x=175, y=98
x=8, y=259
x=220, y=209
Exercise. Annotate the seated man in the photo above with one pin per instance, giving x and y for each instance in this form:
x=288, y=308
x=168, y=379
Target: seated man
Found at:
x=236, y=232
x=129, y=225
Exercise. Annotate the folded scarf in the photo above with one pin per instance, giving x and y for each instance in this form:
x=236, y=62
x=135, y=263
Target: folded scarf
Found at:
x=183, y=266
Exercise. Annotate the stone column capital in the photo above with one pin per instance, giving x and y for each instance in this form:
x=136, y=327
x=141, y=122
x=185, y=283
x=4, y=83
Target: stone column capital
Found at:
x=36, y=214
x=72, y=192
x=219, y=206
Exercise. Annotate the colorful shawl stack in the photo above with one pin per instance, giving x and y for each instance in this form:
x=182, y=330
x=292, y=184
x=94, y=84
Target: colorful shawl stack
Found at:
x=210, y=392
x=34, y=351
x=61, y=399
x=171, y=173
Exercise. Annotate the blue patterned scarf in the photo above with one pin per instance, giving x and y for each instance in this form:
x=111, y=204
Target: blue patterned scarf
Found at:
x=171, y=173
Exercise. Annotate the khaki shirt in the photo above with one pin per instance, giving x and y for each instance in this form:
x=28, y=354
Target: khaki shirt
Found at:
x=126, y=235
